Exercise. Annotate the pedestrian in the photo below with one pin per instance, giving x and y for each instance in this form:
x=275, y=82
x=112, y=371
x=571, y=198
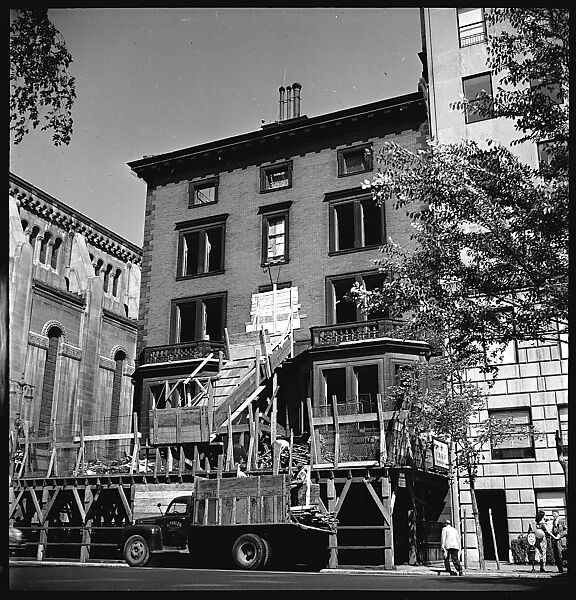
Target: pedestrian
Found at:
x=540, y=532
x=558, y=534
x=450, y=544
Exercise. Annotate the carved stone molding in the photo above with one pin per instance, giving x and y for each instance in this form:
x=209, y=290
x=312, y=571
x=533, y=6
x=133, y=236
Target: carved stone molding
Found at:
x=49, y=324
x=128, y=370
x=71, y=351
x=107, y=363
x=37, y=339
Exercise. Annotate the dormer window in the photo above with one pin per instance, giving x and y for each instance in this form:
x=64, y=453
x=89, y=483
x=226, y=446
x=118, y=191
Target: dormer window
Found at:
x=354, y=160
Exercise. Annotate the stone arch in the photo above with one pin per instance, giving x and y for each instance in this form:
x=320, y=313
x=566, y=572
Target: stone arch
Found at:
x=119, y=348
x=48, y=326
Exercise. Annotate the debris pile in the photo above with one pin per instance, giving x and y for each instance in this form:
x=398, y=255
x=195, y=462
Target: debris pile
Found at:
x=313, y=517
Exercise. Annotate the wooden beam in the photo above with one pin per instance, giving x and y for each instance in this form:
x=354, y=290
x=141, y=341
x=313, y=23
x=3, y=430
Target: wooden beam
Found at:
x=134, y=464
x=244, y=404
x=43, y=537
x=274, y=416
x=14, y=504
x=382, y=454
x=125, y=502
x=250, y=457
x=340, y=500
x=313, y=448
x=378, y=502
x=79, y=503
x=230, y=449
x=336, y=430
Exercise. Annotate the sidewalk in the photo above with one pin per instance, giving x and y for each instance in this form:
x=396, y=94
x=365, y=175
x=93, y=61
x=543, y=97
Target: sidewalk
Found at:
x=436, y=568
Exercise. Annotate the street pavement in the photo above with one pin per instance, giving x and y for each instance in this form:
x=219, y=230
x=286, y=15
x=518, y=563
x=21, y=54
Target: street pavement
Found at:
x=436, y=568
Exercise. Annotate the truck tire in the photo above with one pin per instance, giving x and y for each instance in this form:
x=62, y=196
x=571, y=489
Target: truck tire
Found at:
x=268, y=558
x=250, y=552
x=136, y=551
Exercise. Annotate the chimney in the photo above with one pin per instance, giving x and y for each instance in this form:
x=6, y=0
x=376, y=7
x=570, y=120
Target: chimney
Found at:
x=296, y=87
x=288, y=102
x=281, y=115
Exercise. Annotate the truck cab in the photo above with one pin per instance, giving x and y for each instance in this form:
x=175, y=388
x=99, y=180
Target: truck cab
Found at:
x=167, y=532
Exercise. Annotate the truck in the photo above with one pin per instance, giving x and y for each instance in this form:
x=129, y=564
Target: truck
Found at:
x=247, y=522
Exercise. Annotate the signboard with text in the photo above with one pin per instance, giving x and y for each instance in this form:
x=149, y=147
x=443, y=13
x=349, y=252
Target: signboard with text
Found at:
x=440, y=454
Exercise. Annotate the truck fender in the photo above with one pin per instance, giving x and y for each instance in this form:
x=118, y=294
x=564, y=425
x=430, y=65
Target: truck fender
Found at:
x=151, y=533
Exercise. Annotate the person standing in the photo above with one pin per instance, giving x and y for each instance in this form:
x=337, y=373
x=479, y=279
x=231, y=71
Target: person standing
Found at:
x=558, y=534
x=541, y=532
x=450, y=544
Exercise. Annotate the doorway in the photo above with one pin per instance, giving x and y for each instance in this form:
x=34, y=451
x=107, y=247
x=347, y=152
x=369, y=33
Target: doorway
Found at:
x=494, y=500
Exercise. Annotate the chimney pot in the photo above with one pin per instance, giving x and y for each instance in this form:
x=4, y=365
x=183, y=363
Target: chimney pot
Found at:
x=296, y=87
x=288, y=102
x=281, y=90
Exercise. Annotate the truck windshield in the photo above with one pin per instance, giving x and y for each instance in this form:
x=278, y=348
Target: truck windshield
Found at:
x=177, y=508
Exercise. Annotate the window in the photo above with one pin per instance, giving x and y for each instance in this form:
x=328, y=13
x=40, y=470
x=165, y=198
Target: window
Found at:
x=201, y=246
x=203, y=192
x=549, y=500
x=544, y=153
x=471, y=26
x=44, y=248
x=115, y=282
x=47, y=397
x=119, y=359
x=474, y=88
x=198, y=318
x=549, y=89
x=106, y=281
x=276, y=177
x=355, y=223
x=519, y=445
x=563, y=427
x=354, y=160
x=341, y=310
x=275, y=233
x=55, y=253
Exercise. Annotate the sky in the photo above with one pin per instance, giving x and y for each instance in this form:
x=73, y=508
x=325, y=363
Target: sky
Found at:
x=150, y=81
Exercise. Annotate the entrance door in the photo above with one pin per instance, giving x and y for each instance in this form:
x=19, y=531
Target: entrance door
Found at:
x=496, y=501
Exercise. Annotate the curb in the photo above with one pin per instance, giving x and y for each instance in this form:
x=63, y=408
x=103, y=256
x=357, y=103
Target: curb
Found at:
x=359, y=571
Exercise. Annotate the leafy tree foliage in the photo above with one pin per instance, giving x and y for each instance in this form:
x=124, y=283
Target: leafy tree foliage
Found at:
x=445, y=403
x=40, y=86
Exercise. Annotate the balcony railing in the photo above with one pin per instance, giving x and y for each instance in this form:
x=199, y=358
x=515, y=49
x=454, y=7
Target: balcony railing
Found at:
x=179, y=352
x=332, y=335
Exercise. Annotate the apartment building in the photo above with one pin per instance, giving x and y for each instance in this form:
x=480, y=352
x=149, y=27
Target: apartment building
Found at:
x=524, y=474
x=73, y=307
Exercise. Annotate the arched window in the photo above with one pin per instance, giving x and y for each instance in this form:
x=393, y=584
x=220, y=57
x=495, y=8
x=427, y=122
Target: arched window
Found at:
x=47, y=398
x=34, y=235
x=106, y=277
x=119, y=359
x=24, y=223
x=115, y=282
x=98, y=266
x=44, y=247
x=55, y=253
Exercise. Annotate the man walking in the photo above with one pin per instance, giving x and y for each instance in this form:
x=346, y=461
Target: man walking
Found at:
x=450, y=544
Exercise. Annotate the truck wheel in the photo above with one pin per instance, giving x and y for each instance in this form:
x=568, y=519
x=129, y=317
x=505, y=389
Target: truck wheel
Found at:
x=268, y=558
x=249, y=552
x=136, y=552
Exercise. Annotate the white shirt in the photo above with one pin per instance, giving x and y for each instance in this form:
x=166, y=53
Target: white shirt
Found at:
x=450, y=538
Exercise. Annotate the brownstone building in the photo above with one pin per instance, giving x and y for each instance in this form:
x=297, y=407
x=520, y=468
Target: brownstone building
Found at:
x=269, y=230
x=73, y=302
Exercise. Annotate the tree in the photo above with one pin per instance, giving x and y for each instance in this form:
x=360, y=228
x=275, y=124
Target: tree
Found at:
x=444, y=403
x=40, y=86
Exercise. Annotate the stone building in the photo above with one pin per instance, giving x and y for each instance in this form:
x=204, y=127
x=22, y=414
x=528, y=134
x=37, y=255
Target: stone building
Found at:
x=523, y=474
x=74, y=289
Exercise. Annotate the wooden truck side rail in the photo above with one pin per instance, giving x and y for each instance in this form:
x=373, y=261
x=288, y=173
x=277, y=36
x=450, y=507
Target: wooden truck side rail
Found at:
x=261, y=499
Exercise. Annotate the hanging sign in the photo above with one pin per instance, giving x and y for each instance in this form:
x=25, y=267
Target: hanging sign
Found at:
x=440, y=454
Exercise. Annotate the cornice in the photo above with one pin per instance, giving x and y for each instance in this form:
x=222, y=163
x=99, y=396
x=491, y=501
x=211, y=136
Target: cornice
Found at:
x=59, y=295
x=70, y=220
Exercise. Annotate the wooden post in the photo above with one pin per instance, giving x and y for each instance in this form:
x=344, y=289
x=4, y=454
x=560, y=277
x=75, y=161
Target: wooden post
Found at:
x=135, y=464
x=195, y=461
x=211, y=407
x=181, y=462
x=79, y=468
x=227, y=343
x=250, y=457
x=494, y=539
x=87, y=531
x=412, y=540
x=313, y=449
x=257, y=367
x=333, y=537
x=53, y=465
x=290, y=452
x=256, y=435
x=464, y=549
x=388, y=500
x=43, y=518
x=157, y=462
x=230, y=449
x=274, y=417
x=169, y=459
x=24, y=462
x=220, y=360
x=336, y=431
x=383, y=455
